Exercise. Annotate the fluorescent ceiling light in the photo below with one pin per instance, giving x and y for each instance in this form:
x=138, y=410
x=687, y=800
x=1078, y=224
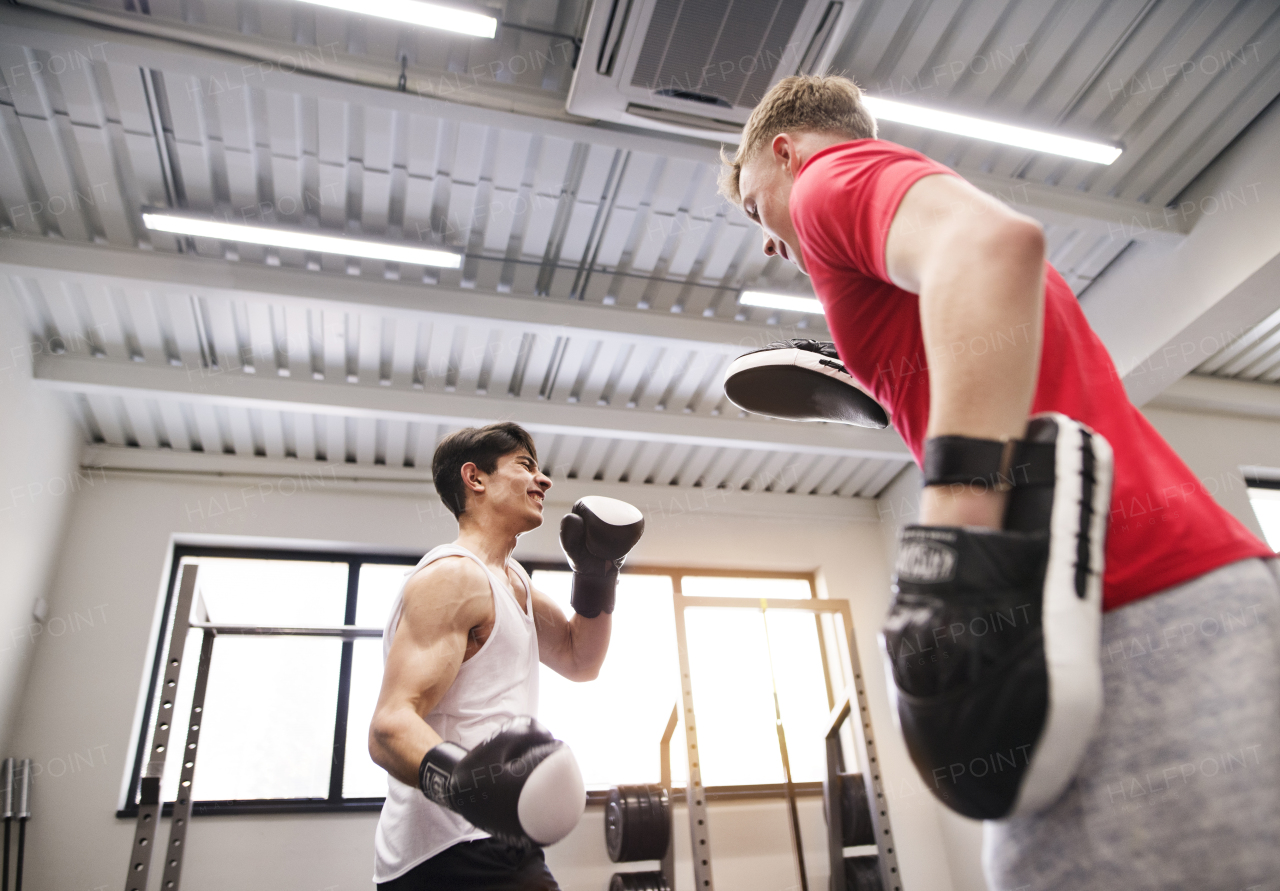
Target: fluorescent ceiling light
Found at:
x=415, y=12
x=780, y=301
x=963, y=125
x=301, y=240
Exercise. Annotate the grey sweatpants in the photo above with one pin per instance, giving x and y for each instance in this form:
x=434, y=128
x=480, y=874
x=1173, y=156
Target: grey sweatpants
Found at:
x=1181, y=786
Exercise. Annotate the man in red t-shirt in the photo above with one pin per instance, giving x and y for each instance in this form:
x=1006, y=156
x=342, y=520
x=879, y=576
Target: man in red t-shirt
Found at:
x=943, y=307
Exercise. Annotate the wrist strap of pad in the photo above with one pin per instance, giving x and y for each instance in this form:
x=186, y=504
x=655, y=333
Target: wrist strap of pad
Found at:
x=982, y=463
x=987, y=464
x=436, y=771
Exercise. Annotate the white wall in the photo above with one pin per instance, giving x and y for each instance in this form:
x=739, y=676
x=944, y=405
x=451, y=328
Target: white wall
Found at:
x=78, y=711
x=1216, y=446
x=39, y=456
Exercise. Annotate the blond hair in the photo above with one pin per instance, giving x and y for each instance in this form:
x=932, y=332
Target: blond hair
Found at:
x=802, y=103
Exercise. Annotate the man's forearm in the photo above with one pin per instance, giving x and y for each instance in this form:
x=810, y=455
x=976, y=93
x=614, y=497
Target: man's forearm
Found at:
x=588, y=643
x=398, y=741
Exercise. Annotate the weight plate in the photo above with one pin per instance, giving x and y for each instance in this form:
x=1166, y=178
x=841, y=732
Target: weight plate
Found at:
x=638, y=881
x=854, y=811
x=659, y=835
x=613, y=825
x=637, y=823
x=862, y=873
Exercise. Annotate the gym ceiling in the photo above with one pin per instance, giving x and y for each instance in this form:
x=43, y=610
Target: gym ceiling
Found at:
x=597, y=301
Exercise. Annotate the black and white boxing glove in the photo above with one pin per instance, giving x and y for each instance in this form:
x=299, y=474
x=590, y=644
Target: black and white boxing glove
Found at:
x=993, y=636
x=596, y=536
x=801, y=380
x=522, y=784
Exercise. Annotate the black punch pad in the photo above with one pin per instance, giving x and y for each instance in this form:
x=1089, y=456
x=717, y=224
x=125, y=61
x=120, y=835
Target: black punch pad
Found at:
x=801, y=380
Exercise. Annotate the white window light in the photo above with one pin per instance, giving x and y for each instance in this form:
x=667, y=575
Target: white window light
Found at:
x=1006, y=134
x=415, y=12
x=1266, y=506
x=788, y=302
x=301, y=240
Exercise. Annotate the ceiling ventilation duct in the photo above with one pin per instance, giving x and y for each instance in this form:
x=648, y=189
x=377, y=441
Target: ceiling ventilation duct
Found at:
x=698, y=67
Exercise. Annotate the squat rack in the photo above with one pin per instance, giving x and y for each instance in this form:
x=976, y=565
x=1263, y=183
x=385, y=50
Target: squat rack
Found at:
x=864, y=739
x=147, y=828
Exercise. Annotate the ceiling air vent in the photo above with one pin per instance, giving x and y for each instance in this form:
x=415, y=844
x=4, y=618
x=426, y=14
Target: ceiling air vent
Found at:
x=698, y=67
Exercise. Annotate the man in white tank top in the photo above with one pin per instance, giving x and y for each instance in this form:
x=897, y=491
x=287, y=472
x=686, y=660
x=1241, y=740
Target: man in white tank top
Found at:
x=453, y=724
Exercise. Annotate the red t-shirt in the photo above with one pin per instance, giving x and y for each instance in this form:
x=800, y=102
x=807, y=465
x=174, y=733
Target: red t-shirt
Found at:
x=1165, y=527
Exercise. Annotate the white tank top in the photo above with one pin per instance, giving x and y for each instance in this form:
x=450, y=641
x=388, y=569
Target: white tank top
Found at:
x=495, y=685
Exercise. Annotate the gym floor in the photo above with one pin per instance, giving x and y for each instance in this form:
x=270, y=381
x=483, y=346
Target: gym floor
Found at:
x=269, y=411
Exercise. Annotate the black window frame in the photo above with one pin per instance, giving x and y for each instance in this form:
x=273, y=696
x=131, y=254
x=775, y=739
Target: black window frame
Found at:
x=335, y=802
x=1259, y=482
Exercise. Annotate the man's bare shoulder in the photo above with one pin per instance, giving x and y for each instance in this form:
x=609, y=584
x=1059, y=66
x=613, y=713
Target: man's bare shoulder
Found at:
x=452, y=590
x=452, y=580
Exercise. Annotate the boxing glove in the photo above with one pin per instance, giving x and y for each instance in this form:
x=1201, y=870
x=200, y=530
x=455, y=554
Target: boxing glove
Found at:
x=596, y=536
x=522, y=784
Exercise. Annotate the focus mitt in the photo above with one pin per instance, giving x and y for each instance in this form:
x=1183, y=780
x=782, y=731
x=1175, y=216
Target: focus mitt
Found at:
x=801, y=380
x=993, y=636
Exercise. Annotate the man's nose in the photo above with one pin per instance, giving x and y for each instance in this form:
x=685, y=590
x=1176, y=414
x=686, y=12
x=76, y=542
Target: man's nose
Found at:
x=770, y=248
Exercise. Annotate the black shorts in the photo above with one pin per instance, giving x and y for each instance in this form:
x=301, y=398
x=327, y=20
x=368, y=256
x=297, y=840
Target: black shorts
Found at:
x=486, y=864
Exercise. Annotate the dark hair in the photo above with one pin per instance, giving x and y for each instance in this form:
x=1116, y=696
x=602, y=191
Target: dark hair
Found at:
x=482, y=446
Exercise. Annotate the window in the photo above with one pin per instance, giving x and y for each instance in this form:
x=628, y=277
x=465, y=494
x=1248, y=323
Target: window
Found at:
x=1264, y=495
x=286, y=717
x=614, y=723
x=738, y=657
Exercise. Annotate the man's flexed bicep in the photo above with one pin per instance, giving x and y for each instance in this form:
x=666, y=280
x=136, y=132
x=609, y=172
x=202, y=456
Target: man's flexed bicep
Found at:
x=442, y=604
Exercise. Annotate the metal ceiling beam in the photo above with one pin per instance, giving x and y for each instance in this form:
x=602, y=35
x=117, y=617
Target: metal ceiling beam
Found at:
x=235, y=388
x=659, y=503
x=363, y=81
x=1123, y=220
x=1162, y=312
x=1228, y=322
x=90, y=264
x=1213, y=395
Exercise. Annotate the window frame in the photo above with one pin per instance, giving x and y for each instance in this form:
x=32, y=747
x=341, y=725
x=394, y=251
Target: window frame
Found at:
x=804, y=789
x=335, y=802
x=1271, y=484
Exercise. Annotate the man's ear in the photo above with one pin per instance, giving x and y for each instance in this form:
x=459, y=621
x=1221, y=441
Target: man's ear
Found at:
x=473, y=478
x=784, y=152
